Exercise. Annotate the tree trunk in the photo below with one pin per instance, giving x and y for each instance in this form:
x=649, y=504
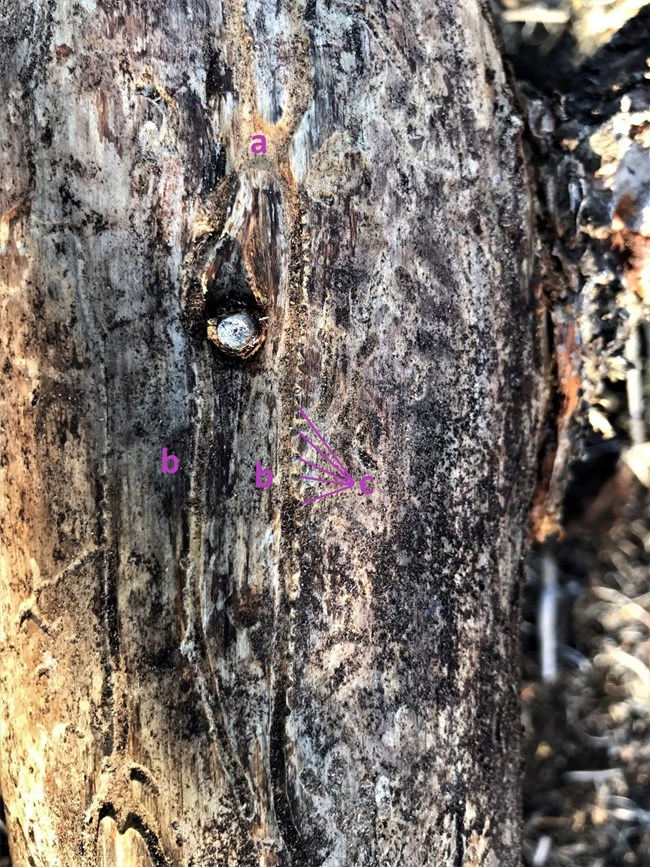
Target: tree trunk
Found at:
x=195, y=670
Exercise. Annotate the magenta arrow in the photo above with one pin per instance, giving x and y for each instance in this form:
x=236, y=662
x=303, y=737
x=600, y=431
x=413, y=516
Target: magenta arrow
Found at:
x=337, y=473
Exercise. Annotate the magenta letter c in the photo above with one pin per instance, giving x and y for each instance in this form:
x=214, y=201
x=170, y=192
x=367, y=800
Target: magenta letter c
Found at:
x=362, y=485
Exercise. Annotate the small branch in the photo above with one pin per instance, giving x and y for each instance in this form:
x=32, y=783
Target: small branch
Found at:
x=547, y=619
x=634, y=382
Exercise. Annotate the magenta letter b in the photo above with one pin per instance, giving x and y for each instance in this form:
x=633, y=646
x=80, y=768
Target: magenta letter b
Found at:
x=260, y=472
x=165, y=462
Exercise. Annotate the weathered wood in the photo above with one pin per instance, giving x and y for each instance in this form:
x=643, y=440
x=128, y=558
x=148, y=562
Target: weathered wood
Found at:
x=196, y=671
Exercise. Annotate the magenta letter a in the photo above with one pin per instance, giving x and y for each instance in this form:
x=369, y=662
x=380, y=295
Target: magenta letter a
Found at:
x=259, y=146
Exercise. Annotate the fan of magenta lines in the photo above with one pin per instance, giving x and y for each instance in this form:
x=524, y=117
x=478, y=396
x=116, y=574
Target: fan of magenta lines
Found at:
x=333, y=471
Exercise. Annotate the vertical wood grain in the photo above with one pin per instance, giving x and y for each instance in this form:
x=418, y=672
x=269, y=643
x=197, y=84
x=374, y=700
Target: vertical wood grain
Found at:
x=196, y=671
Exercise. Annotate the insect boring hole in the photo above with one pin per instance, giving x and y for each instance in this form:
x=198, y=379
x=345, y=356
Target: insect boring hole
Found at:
x=235, y=322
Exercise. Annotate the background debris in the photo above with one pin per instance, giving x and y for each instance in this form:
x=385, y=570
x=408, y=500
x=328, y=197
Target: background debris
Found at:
x=586, y=630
